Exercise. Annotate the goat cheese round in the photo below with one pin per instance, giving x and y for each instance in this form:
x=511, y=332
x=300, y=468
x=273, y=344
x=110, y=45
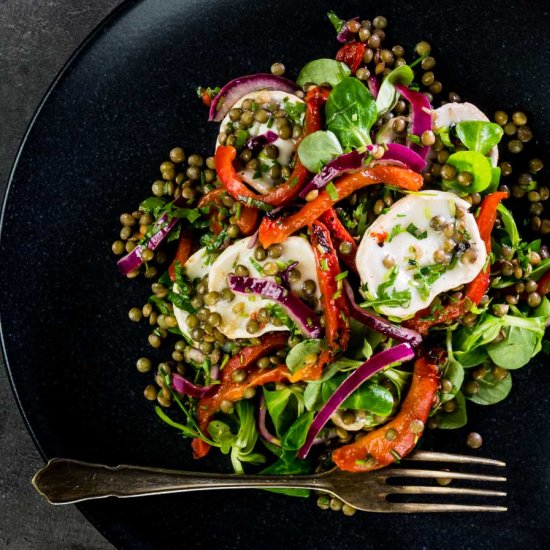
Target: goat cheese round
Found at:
x=236, y=313
x=451, y=113
x=425, y=244
x=287, y=147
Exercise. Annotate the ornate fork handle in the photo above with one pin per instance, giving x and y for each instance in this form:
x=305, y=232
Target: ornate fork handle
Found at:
x=64, y=481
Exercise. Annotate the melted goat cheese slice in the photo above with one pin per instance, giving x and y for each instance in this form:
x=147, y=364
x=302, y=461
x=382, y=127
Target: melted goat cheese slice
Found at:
x=403, y=236
x=287, y=147
x=196, y=267
x=236, y=314
x=451, y=113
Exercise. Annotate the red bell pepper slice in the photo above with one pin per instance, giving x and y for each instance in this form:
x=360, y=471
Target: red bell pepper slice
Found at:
x=477, y=288
x=224, y=157
x=382, y=446
x=335, y=305
x=246, y=222
x=543, y=286
x=287, y=191
x=183, y=251
x=228, y=390
x=276, y=231
x=352, y=55
x=339, y=234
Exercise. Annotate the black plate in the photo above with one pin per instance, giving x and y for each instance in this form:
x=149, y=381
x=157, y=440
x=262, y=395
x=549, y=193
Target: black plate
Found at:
x=125, y=99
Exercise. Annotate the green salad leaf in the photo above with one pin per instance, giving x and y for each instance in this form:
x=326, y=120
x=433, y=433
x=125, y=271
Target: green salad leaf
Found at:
x=453, y=371
x=350, y=113
x=474, y=163
x=370, y=397
x=323, y=71
x=491, y=390
x=295, y=436
x=509, y=224
x=523, y=340
x=479, y=135
x=300, y=355
x=336, y=21
x=454, y=419
x=388, y=94
x=518, y=347
x=316, y=149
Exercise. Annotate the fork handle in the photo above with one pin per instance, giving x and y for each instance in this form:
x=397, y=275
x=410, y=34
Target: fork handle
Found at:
x=66, y=481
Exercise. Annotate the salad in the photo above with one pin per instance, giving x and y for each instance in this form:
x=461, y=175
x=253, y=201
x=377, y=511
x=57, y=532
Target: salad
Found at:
x=344, y=272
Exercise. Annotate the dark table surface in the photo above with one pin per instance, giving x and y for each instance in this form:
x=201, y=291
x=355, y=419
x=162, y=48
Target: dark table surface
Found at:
x=36, y=39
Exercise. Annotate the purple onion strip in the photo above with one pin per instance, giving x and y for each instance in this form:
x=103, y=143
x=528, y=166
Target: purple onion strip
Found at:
x=401, y=352
x=256, y=143
x=345, y=35
x=379, y=324
x=262, y=428
x=239, y=87
x=344, y=163
x=306, y=319
x=186, y=387
x=374, y=86
x=421, y=116
x=285, y=275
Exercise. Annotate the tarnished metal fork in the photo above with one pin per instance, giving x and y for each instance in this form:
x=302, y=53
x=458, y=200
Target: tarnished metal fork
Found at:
x=64, y=481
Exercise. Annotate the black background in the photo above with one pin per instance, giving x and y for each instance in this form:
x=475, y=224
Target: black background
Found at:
x=92, y=153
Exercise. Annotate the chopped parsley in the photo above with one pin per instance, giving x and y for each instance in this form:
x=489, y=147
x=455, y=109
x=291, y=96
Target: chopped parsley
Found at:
x=415, y=232
x=332, y=192
x=387, y=295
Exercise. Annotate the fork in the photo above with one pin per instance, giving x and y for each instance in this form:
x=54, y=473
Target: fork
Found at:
x=65, y=481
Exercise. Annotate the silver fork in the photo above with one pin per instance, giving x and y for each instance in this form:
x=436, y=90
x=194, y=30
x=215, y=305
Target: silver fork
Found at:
x=65, y=481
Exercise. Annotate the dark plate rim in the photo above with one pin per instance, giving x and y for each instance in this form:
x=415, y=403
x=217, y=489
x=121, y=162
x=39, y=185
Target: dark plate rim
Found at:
x=116, y=12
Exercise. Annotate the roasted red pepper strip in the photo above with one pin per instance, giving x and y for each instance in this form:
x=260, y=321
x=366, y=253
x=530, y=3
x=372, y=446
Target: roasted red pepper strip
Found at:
x=352, y=55
x=228, y=390
x=182, y=252
x=287, y=191
x=224, y=157
x=543, y=286
x=477, y=288
x=376, y=450
x=339, y=234
x=311, y=372
x=246, y=222
x=276, y=231
x=248, y=356
x=335, y=305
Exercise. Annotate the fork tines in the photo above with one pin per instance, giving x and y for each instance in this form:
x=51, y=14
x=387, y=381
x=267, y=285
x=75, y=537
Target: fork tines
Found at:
x=429, y=456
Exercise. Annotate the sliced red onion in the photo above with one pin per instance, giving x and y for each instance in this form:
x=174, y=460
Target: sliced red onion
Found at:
x=253, y=239
x=285, y=275
x=344, y=163
x=133, y=260
x=379, y=324
x=387, y=162
x=186, y=387
x=345, y=35
x=256, y=143
x=306, y=319
x=401, y=352
x=421, y=116
x=239, y=87
x=374, y=86
x=262, y=428
x=411, y=159
x=162, y=227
